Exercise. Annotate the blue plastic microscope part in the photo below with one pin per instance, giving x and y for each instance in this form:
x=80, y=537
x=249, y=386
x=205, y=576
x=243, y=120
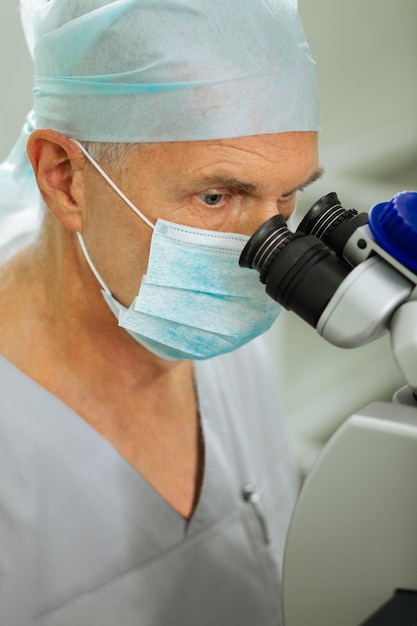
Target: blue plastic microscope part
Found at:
x=394, y=227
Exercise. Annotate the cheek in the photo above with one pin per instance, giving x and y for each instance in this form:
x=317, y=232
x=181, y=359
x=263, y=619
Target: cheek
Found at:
x=118, y=243
x=127, y=259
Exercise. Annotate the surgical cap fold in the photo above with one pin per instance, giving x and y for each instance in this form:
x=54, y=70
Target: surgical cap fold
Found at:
x=171, y=70
x=167, y=70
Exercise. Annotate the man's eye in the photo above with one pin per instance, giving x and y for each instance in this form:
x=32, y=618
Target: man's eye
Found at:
x=287, y=196
x=212, y=199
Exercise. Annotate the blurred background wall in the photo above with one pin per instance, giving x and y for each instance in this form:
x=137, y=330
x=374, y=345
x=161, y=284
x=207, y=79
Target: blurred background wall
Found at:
x=366, y=53
x=16, y=76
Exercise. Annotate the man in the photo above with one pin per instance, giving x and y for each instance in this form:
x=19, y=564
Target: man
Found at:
x=145, y=473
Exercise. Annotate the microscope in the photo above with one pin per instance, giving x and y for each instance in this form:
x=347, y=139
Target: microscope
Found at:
x=351, y=551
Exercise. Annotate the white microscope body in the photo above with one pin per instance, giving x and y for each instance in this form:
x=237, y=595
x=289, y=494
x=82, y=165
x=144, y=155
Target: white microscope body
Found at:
x=352, y=543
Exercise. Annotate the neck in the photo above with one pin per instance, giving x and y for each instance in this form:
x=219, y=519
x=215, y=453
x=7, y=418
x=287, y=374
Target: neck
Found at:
x=70, y=311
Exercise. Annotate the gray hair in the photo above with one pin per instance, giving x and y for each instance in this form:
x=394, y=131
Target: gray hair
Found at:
x=112, y=155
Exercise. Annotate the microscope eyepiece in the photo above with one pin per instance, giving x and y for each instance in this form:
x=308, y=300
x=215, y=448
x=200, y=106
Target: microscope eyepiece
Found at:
x=300, y=272
x=351, y=279
x=265, y=244
x=331, y=223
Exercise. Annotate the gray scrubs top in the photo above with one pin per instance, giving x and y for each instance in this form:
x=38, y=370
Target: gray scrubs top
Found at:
x=85, y=540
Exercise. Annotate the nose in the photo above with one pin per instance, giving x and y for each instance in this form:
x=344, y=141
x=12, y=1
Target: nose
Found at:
x=264, y=211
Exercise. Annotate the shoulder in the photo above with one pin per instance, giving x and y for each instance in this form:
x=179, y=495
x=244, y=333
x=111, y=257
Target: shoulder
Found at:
x=250, y=365
x=244, y=378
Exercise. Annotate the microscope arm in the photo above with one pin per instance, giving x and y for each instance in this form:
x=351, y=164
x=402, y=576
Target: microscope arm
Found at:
x=403, y=327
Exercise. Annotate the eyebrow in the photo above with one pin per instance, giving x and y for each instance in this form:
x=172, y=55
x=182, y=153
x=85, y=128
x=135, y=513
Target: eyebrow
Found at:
x=247, y=187
x=228, y=181
x=318, y=173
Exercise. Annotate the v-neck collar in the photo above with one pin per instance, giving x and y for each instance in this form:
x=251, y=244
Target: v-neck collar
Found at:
x=79, y=450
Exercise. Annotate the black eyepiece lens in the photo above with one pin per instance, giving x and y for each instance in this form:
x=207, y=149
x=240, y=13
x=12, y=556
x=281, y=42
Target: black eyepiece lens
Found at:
x=265, y=244
x=317, y=219
x=300, y=272
x=331, y=223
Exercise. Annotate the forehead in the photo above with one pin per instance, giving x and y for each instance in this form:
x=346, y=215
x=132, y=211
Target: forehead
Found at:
x=261, y=160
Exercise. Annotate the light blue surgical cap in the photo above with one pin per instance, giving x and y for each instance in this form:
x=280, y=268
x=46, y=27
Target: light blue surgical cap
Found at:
x=168, y=70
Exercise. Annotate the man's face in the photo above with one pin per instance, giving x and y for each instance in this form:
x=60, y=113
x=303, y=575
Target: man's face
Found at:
x=229, y=185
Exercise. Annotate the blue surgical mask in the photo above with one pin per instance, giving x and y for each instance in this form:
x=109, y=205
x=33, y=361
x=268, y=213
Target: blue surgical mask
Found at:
x=195, y=301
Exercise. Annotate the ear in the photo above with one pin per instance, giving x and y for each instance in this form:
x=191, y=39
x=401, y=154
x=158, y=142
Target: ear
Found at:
x=58, y=165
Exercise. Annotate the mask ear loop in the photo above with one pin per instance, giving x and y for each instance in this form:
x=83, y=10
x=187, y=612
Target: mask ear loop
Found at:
x=123, y=196
x=113, y=184
x=91, y=264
